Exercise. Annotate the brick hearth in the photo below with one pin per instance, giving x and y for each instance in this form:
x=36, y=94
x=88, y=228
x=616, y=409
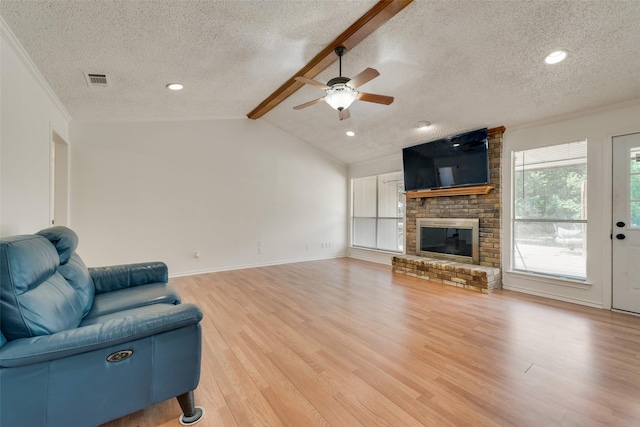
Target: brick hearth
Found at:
x=468, y=276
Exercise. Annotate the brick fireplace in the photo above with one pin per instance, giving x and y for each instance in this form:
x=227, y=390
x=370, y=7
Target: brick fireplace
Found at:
x=484, y=277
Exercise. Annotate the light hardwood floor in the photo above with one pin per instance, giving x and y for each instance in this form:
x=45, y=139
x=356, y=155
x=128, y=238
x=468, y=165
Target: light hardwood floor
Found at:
x=348, y=343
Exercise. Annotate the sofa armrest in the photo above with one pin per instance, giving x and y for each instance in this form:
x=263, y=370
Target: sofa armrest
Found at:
x=117, y=277
x=134, y=324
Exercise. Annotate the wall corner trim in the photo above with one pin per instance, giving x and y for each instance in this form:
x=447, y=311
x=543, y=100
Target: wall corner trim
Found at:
x=15, y=44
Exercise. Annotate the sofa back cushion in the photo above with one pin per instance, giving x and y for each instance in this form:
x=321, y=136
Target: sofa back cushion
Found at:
x=35, y=298
x=77, y=274
x=63, y=238
x=71, y=266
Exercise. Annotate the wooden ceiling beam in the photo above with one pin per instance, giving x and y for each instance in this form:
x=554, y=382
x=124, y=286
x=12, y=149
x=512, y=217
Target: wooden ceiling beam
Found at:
x=361, y=29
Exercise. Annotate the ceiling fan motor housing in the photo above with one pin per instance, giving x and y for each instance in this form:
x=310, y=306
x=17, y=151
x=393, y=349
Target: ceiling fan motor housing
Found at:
x=336, y=80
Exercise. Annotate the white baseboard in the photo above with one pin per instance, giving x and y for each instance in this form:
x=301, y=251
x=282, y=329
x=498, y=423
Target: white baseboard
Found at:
x=371, y=255
x=245, y=266
x=553, y=296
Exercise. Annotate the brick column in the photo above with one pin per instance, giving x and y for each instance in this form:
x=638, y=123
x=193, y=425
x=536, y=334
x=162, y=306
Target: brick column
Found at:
x=487, y=208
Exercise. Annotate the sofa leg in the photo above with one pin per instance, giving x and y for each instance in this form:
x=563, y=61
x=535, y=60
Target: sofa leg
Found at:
x=191, y=414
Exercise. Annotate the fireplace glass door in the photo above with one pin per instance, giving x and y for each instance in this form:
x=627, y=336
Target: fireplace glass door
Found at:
x=449, y=241
x=454, y=238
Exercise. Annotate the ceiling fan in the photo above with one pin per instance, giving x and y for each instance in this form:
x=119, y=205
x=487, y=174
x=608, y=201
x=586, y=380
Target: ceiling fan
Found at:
x=341, y=91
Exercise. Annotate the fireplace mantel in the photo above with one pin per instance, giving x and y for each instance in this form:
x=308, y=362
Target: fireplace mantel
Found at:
x=458, y=191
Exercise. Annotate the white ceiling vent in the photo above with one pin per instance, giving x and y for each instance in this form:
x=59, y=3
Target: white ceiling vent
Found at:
x=96, y=80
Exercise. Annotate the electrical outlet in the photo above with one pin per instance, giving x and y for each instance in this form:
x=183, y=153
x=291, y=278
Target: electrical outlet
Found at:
x=196, y=254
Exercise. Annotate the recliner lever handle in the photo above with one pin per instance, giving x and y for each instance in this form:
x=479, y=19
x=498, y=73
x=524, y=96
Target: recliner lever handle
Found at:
x=119, y=356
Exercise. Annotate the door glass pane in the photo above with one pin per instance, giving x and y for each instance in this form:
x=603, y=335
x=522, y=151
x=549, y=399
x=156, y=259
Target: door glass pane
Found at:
x=634, y=187
x=635, y=214
x=635, y=160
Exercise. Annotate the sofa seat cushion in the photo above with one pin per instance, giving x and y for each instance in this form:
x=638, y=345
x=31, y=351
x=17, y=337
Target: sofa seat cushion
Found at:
x=128, y=298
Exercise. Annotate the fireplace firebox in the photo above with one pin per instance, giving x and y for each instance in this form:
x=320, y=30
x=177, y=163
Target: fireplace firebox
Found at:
x=452, y=238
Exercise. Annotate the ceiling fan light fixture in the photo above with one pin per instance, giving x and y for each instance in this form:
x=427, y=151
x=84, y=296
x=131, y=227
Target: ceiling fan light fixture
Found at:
x=340, y=96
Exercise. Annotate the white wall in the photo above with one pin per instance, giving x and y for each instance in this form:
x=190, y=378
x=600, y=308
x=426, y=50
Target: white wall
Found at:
x=29, y=111
x=597, y=127
x=146, y=191
x=358, y=170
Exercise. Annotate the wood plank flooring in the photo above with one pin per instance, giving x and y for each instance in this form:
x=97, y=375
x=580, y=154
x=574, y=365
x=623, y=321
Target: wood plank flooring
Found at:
x=348, y=343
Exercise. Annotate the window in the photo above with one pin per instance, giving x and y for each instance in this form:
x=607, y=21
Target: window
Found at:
x=550, y=210
x=635, y=187
x=378, y=212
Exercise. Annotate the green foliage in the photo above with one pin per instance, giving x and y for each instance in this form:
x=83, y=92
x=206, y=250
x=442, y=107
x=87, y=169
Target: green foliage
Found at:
x=635, y=214
x=635, y=195
x=551, y=193
x=635, y=192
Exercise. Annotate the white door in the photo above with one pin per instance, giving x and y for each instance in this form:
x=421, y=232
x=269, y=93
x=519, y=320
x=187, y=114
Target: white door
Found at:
x=626, y=222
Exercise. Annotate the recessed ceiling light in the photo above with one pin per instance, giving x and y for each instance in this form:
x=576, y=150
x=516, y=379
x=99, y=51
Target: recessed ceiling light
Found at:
x=423, y=124
x=174, y=86
x=555, y=57
x=350, y=133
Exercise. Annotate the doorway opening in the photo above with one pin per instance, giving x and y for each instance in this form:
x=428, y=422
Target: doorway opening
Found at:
x=59, y=199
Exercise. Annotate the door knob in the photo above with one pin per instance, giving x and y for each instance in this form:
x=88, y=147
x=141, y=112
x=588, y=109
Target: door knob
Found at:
x=620, y=236
x=620, y=224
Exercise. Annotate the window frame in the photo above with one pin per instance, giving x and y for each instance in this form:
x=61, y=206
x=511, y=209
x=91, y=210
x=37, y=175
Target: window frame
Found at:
x=513, y=220
x=400, y=219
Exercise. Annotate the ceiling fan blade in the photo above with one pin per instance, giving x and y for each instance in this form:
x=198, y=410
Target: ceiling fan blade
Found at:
x=364, y=77
x=308, y=104
x=307, y=80
x=344, y=114
x=378, y=99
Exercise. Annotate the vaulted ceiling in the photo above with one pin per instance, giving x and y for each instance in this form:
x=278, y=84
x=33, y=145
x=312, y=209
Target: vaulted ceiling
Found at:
x=457, y=64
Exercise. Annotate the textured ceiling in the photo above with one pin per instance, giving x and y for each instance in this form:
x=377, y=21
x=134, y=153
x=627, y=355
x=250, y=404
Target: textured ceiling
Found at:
x=458, y=64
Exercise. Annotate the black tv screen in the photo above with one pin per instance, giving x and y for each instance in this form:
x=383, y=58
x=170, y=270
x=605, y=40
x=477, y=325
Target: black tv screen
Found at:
x=458, y=161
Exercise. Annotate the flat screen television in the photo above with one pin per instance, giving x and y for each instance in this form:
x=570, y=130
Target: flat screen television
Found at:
x=457, y=161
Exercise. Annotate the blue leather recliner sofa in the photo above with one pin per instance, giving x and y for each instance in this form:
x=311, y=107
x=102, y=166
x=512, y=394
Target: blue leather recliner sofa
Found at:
x=81, y=346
